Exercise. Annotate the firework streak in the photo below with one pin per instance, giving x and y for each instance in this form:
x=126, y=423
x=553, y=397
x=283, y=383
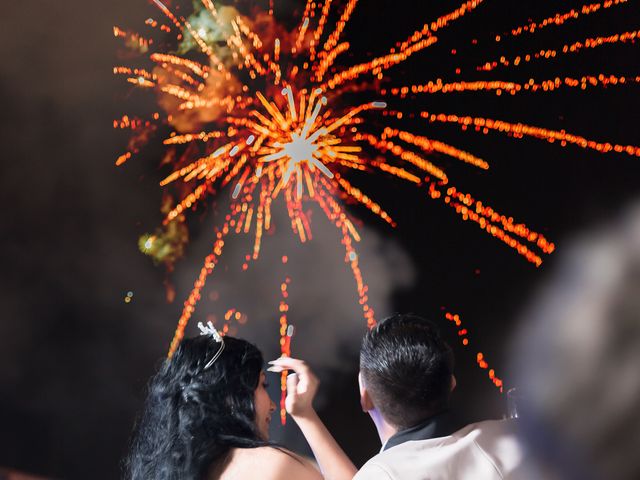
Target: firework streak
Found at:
x=264, y=111
x=482, y=363
x=286, y=332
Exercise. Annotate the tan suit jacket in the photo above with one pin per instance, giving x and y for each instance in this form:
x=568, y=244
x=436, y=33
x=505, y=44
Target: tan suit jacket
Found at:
x=481, y=451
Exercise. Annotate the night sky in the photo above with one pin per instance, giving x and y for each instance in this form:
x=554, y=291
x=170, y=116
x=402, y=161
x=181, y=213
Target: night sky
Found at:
x=76, y=357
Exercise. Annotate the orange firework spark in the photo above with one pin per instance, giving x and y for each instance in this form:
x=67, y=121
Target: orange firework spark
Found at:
x=569, y=48
x=262, y=110
x=286, y=332
x=482, y=363
x=519, y=130
x=561, y=18
x=512, y=88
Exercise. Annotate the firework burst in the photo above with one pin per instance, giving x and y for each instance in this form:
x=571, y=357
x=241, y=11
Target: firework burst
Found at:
x=263, y=109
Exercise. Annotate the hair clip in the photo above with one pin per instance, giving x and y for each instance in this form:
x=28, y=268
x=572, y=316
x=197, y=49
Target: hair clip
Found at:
x=210, y=330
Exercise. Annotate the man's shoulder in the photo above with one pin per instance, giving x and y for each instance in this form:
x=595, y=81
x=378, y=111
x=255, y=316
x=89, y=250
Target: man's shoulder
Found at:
x=488, y=449
x=498, y=442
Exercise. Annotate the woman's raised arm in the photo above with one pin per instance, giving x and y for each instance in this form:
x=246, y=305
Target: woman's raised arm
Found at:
x=301, y=389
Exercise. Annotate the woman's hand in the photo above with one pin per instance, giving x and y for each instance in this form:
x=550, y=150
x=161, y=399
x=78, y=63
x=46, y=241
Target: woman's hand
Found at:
x=302, y=386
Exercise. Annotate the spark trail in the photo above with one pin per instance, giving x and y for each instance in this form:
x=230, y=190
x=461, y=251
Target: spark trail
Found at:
x=264, y=110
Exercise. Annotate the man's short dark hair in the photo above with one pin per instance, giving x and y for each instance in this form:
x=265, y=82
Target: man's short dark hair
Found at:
x=407, y=368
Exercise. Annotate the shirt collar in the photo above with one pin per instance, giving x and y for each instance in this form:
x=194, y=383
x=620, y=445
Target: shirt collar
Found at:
x=439, y=425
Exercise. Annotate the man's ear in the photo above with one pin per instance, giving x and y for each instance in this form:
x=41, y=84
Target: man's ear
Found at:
x=453, y=382
x=365, y=398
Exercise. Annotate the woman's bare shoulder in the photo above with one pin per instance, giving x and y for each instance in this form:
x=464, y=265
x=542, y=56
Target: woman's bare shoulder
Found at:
x=266, y=463
x=270, y=463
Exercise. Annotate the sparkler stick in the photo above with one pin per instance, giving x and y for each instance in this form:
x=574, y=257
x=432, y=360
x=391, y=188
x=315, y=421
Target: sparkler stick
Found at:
x=286, y=333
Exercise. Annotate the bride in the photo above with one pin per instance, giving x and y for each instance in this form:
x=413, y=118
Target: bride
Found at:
x=207, y=415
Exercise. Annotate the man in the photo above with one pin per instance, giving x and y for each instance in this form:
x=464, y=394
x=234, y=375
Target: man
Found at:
x=406, y=379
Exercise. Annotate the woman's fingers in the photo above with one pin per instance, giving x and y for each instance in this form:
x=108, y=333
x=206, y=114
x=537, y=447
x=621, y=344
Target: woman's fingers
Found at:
x=302, y=384
x=306, y=378
x=292, y=382
x=288, y=363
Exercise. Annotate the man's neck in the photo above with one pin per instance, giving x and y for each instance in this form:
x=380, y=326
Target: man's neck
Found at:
x=385, y=429
x=438, y=425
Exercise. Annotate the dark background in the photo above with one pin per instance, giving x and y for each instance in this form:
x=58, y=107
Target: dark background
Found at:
x=75, y=357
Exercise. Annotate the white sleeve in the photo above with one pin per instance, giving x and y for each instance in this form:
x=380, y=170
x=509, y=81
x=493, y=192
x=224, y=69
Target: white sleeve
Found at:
x=373, y=471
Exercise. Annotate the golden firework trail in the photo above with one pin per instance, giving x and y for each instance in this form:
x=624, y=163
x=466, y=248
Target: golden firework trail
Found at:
x=263, y=110
x=286, y=332
x=463, y=333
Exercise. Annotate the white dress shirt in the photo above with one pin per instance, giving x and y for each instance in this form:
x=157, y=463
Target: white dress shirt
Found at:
x=481, y=451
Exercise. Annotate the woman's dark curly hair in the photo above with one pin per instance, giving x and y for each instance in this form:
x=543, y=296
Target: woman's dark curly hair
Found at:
x=193, y=417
